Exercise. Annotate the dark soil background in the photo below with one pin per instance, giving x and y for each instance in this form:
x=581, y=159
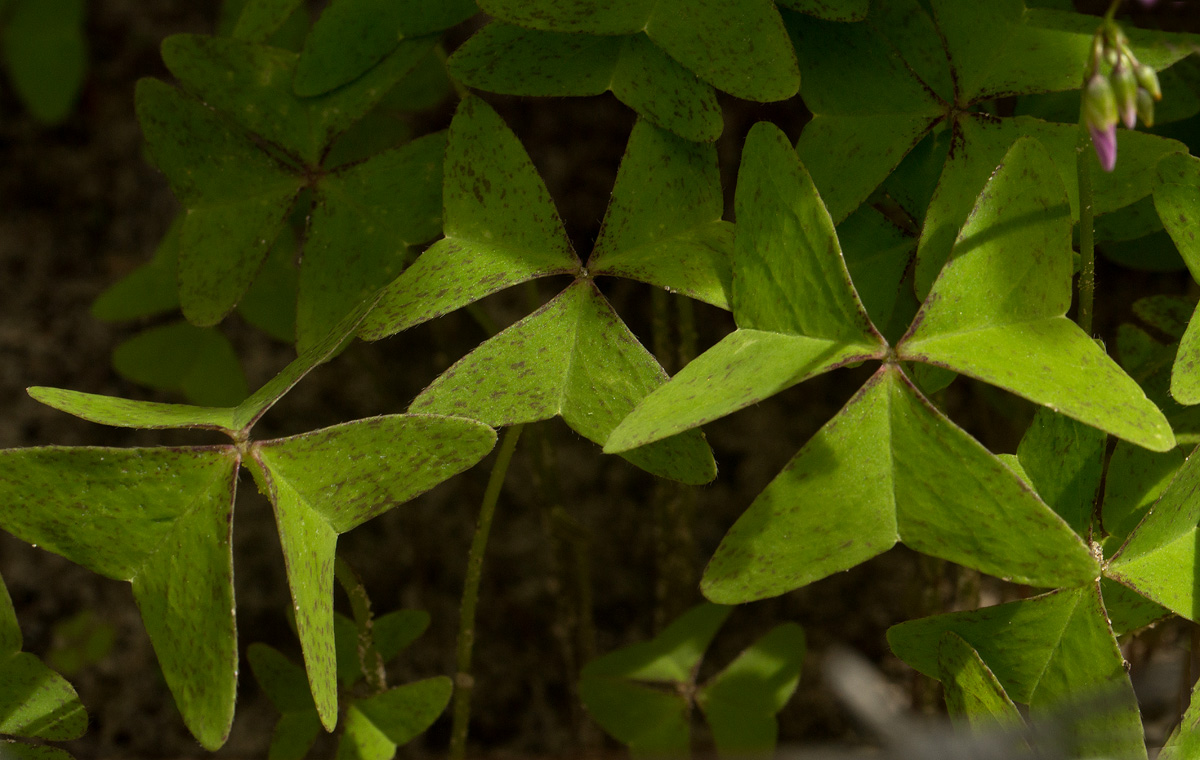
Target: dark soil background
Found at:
x=79, y=208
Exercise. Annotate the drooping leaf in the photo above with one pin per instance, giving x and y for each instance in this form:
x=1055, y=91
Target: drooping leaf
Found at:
x=1159, y=558
x=663, y=225
x=364, y=222
x=740, y=702
x=997, y=311
x=516, y=61
x=237, y=198
x=45, y=53
x=573, y=358
x=897, y=470
x=329, y=481
x=121, y=412
x=973, y=694
x=500, y=223
x=743, y=51
x=198, y=362
x=1052, y=652
x=161, y=519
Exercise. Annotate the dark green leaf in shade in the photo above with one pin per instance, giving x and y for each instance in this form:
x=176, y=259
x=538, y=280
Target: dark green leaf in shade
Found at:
x=1184, y=742
x=34, y=700
x=1137, y=220
x=516, y=61
x=973, y=695
x=1050, y=651
x=270, y=303
x=862, y=125
x=1128, y=611
x=504, y=58
x=573, y=358
x=740, y=702
x=198, y=362
x=365, y=220
x=19, y=751
x=294, y=735
x=45, y=53
x=663, y=225
x=352, y=36
x=1176, y=195
x=251, y=84
x=1168, y=314
x=260, y=19
x=1064, y=460
x=1159, y=558
x=650, y=721
x=743, y=51
x=237, y=198
x=392, y=632
x=621, y=689
x=897, y=469
x=670, y=657
x=500, y=223
x=331, y=480
x=281, y=680
x=146, y=291
x=923, y=70
x=404, y=712
x=1134, y=480
x=286, y=685
x=835, y=10
x=878, y=256
x=161, y=519
x=664, y=92
x=997, y=310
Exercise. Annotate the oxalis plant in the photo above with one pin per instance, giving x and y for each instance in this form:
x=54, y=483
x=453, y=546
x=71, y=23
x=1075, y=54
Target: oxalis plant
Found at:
x=937, y=218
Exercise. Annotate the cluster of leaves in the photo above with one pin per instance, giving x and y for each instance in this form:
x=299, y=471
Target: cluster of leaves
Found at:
x=924, y=220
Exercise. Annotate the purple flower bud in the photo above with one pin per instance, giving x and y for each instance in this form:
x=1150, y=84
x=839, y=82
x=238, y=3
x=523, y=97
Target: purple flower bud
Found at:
x=1125, y=90
x=1145, y=107
x=1105, y=143
x=1099, y=103
x=1148, y=80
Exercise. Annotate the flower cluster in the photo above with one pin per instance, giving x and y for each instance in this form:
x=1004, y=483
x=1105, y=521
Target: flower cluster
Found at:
x=1117, y=87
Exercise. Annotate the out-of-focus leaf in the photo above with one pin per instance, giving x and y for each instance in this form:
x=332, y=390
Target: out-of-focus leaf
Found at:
x=196, y=361
x=45, y=52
